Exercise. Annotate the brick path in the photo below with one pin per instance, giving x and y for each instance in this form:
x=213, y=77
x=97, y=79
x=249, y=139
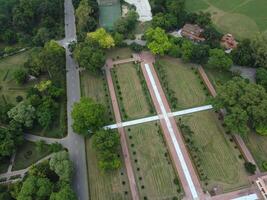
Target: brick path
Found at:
x=182, y=163
x=125, y=151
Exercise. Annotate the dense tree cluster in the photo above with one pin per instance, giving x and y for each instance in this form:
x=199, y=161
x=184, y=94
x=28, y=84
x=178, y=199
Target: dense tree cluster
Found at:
x=88, y=116
x=86, y=16
x=44, y=181
x=246, y=106
x=261, y=77
x=107, y=142
x=31, y=21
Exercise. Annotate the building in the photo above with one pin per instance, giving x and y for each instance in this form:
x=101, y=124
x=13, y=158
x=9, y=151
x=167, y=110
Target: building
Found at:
x=228, y=42
x=193, y=32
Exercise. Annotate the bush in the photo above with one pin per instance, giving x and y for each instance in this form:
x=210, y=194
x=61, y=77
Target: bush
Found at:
x=20, y=76
x=136, y=47
x=176, y=181
x=19, y=99
x=264, y=165
x=250, y=167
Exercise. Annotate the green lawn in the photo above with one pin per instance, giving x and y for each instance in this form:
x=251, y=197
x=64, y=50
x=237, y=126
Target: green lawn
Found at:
x=152, y=166
x=257, y=145
x=243, y=18
x=119, y=53
x=218, y=78
x=105, y=185
x=28, y=155
x=95, y=87
x=184, y=82
x=134, y=102
x=217, y=158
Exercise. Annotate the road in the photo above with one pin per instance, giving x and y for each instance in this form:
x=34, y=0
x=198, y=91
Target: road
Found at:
x=74, y=142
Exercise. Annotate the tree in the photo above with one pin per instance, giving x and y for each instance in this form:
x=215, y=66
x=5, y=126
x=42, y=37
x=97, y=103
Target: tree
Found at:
x=200, y=54
x=126, y=24
x=259, y=47
x=65, y=193
x=20, y=76
x=61, y=164
x=106, y=142
x=7, y=144
x=164, y=21
x=103, y=38
x=88, y=116
x=250, y=167
x=157, y=41
x=212, y=36
x=219, y=60
x=35, y=187
x=261, y=77
x=90, y=56
x=4, y=119
x=187, y=50
x=23, y=113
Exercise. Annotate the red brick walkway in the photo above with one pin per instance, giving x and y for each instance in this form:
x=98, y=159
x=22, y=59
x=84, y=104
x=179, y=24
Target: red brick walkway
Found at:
x=149, y=59
x=125, y=151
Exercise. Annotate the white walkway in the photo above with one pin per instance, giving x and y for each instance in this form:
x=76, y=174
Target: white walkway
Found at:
x=248, y=197
x=172, y=134
x=143, y=8
x=157, y=117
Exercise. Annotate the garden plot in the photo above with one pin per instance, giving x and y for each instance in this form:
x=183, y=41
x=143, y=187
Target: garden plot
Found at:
x=214, y=153
x=155, y=176
x=181, y=83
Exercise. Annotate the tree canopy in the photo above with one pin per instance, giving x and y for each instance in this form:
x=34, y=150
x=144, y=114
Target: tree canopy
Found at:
x=88, y=116
x=219, y=60
x=103, y=38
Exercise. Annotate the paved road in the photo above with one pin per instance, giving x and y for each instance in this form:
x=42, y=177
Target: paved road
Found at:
x=75, y=143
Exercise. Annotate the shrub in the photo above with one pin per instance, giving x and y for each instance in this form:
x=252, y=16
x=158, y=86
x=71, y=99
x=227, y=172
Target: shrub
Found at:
x=20, y=76
x=176, y=181
x=250, y=167
x=264, y=165
x=19, y=99
x=136, y=47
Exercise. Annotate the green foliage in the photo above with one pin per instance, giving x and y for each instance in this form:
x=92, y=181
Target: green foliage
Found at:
x=90, y=56
x=23, y=113
x=245, y=104
x=126, y=24
x=250, y=167
x=106, y=142
x=65, y=193
x=157, y=41
x=136, y=47
x=243, y=54
x=219, y=60
x=4, y=119
x=264, y=165
x=164, y=21
x=20, y=76
x=261, y=77
x=103, y=38
x=88, y=116
x=61, y=164
x=187, y=50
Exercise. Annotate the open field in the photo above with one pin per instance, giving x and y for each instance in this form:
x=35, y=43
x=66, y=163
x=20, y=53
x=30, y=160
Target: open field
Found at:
x=105, y=185
x=119, y=53
x=218, y=78
x=215, y=156
x=152, y=166
x=243, y=18
x=95, y=87
x=28, y=155
x=184, y=82
x=130, y=94
x=257, y=145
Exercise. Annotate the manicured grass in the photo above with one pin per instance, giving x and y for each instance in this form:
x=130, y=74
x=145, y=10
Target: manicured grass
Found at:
x=184, y=82
x=105, y=185
x=218, y=78
x=130, y=92
x=95, y=87
x=152, y=166
x=257, y=145
x=217, y=157
x=119, y=53
x=28, y=155
x=240, y=17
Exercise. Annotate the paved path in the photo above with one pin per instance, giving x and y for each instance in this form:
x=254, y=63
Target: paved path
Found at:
x=125, y=151
x=172, y=134
x=158, y=117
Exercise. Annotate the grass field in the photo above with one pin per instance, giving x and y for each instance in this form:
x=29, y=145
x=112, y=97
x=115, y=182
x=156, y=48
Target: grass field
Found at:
x=257, y=145
x=119, y=53
x=218, y=157
x=28, y=155
x=133, y=99
x=184, y=82
x=218, y=78
x=153, y=169
x=105, y=186
x=109, y=14
x=95, y=87
x=243, y=18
